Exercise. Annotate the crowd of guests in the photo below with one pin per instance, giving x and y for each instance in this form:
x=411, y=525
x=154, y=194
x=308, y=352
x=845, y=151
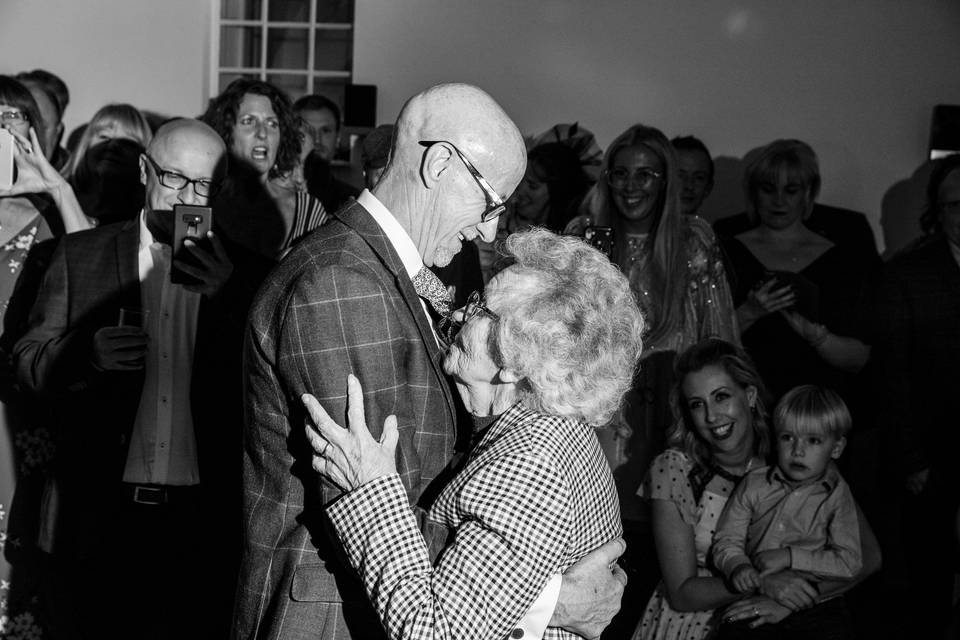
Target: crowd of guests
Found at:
x=509, y=353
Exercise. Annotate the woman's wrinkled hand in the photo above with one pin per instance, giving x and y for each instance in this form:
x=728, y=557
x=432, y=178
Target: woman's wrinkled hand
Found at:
x=34, y=173
x=761, y=609
x=813, y=332
x=350, y=457
x=766, y=299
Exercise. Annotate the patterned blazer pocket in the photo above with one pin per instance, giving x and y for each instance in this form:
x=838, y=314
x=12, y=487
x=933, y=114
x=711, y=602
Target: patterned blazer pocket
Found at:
x=314, y=583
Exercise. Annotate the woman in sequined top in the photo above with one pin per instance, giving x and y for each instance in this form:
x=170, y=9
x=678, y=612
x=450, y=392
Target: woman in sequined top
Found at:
x=676, y=273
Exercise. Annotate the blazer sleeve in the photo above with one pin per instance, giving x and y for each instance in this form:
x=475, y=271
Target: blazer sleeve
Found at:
x=515, y=524
x=53, y=356
x=894, y=340
x=339, y=320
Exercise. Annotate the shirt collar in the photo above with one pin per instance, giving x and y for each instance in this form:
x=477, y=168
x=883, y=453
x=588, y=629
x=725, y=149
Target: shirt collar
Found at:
x=830, y=479
x=954, y=251
x=146, y=238
x=396, y=234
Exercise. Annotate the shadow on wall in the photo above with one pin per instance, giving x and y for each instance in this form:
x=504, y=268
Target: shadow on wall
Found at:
x=901, y=207
x=726, y=199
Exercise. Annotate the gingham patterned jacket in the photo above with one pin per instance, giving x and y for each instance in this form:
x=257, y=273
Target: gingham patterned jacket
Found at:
x=535, y=496
x=339, y=303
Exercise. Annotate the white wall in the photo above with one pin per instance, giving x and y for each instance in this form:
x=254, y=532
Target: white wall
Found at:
x=856, y=79
x=151, y=53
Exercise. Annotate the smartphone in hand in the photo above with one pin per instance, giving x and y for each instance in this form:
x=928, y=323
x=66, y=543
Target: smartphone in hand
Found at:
x=193, y=222
x=600, y=238
x=6, y=159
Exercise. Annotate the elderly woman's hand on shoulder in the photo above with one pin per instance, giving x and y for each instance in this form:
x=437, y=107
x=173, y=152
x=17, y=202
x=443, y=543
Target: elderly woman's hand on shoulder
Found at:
x=350, y=457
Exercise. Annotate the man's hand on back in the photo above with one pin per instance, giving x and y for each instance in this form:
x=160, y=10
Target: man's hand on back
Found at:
x=590, y=592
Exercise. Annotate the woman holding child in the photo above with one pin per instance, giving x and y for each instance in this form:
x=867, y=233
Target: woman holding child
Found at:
x=720, y=436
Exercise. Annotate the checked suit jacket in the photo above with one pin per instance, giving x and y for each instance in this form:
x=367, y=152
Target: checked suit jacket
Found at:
x=340, y=302
x=535, y=495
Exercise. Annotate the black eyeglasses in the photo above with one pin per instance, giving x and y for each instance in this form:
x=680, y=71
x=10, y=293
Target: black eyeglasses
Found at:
x=448, y=328
x=619, y=178
x=14, y=117
x=495, y=204
x=173, y=180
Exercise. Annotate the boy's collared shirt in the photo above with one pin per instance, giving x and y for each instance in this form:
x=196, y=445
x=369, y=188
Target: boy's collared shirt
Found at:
x=816, y=520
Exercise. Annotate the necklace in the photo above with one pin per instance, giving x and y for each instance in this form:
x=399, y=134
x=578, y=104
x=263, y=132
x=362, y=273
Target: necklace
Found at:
x=725, y=472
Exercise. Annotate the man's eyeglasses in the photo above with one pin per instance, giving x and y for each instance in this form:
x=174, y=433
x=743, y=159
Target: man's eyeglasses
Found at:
x=495, y=204
x=448, y=328
x=620, y=178
x=173, y=180
x=13, y=117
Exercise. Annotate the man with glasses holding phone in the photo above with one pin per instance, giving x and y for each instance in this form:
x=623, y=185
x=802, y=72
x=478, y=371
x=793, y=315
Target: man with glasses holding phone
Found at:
x=141, y=511
x=357, y=296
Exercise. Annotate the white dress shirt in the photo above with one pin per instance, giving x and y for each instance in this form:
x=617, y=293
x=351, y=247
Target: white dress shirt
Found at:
x=163, y=447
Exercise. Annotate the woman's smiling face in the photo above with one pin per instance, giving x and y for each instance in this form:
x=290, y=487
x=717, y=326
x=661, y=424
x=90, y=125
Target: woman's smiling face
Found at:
x=720, y=409
x=637, y=198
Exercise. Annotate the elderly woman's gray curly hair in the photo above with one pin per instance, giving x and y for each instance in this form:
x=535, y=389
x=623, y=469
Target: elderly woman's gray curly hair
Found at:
x=570, y=328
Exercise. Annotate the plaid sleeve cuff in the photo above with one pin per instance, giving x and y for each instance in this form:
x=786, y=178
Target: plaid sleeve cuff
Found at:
x=379, y=530
x=377, y=503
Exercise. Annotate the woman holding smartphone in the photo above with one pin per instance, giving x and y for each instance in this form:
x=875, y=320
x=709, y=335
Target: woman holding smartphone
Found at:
x=677, y=276
x=38, y=191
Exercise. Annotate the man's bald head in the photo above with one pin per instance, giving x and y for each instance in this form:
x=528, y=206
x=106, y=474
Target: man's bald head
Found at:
x=469, y=118
x=431, y=189
x=187, y=147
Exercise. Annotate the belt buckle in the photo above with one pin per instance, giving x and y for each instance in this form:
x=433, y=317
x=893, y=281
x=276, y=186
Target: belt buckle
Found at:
x=149, y=495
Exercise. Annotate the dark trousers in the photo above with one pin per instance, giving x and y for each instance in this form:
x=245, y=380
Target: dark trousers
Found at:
x=156, y=577
x=829, y=620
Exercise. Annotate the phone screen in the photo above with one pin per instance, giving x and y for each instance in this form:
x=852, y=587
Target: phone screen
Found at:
x=6, y=159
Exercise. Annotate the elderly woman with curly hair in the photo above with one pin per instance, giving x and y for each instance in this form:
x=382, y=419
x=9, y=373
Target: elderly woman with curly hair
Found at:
x=260, y=208
x=545, y=358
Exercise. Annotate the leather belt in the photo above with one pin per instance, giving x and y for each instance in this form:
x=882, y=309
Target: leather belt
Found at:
x=157, y=494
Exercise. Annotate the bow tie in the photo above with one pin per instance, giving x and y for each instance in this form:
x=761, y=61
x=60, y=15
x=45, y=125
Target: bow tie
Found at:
x=430, y=288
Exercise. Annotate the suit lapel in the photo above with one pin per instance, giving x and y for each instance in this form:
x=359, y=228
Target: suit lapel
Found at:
x=358, y=219
x=128, y=269
x=947, y=266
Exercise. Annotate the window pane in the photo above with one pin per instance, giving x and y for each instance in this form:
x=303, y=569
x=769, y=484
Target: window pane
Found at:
x=333, y=50
x=287, y=48
x=227, y=78
x=335, y=11
x=289, y=11
x=240, y=9
x=294, y=85
x=239, y=46
x=332, y=89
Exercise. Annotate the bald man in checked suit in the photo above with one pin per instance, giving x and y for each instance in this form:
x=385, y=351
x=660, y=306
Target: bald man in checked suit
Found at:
x=343, y=301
